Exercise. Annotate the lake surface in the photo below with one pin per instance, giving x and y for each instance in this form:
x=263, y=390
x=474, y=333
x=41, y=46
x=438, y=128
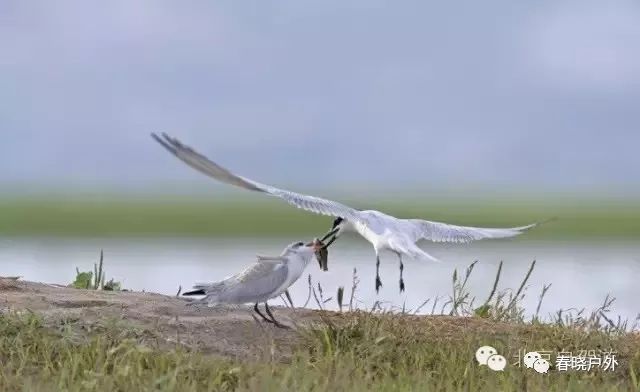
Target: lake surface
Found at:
x=581, y=273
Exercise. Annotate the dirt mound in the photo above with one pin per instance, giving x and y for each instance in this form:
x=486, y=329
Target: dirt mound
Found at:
x=166, y=320
x=10, y=283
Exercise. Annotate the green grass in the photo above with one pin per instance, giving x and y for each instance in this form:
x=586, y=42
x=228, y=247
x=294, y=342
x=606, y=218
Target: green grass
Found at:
x=60, y=216
x=355, y=351
x=35, y=357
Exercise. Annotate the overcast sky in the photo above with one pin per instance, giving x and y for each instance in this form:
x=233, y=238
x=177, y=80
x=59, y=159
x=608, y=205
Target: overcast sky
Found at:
x=492, y=94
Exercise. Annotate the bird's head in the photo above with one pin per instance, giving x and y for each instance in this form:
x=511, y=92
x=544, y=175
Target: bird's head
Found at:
x=315, y=247
x=302, y=249
x=338, y=222
x=337, y=228
x=306, y=251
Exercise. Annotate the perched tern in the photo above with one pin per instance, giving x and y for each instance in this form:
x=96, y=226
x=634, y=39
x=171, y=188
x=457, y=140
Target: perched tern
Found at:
x=383, y=231
x=268, y=278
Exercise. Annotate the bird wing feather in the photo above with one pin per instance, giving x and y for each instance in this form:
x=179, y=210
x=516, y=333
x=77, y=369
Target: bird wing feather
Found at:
x=208, y=167
x=444, y=232
x=257, y=281
x=270, y=259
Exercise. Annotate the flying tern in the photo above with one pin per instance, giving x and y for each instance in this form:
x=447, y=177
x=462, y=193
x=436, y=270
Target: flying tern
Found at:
x=268, y=278
x=384, y=232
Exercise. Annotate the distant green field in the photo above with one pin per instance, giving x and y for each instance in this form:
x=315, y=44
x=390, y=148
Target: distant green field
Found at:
x=91, y=216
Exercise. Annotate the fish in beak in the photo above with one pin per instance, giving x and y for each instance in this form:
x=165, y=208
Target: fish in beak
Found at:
x=321, y=252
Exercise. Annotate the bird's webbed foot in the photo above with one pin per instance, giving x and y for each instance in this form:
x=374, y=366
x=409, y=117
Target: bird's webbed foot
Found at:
x=262, y=316
x=273, y=319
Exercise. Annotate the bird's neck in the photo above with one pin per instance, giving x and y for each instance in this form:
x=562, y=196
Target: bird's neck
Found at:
x=297, y=265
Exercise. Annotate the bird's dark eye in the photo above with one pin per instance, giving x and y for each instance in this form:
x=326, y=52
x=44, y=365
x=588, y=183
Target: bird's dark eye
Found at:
x=299, y=244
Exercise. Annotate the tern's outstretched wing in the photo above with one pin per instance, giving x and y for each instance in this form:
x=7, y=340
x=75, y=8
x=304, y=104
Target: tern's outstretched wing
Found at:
x=212, y=169
x=443, y=232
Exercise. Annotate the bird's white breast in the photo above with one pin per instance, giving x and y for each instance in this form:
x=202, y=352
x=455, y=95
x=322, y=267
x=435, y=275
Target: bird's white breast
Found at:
x=379, y=228
x=295, y=268
x=364, y=230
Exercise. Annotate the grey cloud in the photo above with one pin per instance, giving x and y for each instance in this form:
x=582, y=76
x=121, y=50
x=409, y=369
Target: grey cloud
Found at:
x=532, y=95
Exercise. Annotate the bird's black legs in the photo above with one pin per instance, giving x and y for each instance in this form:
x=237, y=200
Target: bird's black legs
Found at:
x=378, y=281
x=401, y=270
x=286, y=293
x=255, y=308
x=273, y=319
x=269, y=319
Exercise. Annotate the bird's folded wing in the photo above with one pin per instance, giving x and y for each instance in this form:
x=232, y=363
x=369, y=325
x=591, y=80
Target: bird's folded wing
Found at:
x=258, y=270
x=259, y=282
x=208, y=286
x=443, y=232
x=204, y=165
x=270, y=258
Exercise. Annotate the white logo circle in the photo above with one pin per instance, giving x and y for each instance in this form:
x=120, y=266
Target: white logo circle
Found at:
x=541, y=366
x=483, y=354
x=530, y=358
x=497, y=362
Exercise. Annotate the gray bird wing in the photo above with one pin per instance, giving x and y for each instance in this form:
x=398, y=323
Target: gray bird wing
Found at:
x=262, y=258
x=444, y=232
x=206, y=166
x=256, y=282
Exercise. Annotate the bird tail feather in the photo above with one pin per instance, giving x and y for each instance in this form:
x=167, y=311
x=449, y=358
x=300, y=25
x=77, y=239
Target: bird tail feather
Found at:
x=419, y=254
x=412, y=250
x=205, y=289
x=194, y=292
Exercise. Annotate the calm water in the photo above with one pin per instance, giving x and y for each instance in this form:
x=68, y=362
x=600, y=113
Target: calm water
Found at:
x=581, y=273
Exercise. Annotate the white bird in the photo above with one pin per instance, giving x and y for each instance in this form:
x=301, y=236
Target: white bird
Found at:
x=268, y=278
x=383, y=231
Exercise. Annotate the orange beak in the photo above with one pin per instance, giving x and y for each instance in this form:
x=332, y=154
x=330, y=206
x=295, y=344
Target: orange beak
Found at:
x=317, y=245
